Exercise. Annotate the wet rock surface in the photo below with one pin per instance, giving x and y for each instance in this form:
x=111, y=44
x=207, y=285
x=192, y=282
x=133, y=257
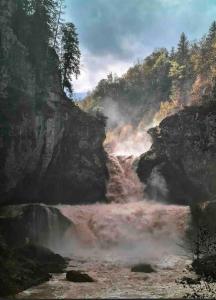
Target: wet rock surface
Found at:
x=78, y=276
x=23, y=261
x=180, y=167
x=25, y=267
x=144, y=268
x=33, y=223
x=45, y=258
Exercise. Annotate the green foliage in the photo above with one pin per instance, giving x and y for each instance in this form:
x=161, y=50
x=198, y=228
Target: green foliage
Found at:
x=182, y=55
x=70, y=55
x=39, y=27
x=143, y=86
x=185, y=76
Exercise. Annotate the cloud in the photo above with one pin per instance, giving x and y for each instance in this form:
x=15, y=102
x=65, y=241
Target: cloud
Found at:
x=94, y=68
x=129, y=29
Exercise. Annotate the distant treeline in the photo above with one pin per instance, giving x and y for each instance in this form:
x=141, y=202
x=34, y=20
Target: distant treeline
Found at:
x=186, y=75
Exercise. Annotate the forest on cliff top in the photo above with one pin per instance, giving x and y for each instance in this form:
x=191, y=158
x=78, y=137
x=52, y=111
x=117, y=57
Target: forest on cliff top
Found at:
x=163, y=83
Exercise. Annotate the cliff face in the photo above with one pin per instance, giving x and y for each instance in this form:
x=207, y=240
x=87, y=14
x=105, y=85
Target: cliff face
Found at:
x=50, y=151
x=182, y=157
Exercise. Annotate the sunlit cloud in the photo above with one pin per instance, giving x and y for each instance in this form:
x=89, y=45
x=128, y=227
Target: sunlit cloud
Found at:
x=113, y=34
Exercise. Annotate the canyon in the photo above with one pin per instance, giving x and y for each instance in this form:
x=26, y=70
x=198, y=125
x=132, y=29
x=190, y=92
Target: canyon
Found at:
x=103, y=197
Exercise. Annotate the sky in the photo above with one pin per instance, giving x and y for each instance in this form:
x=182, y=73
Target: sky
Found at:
x=115, y=34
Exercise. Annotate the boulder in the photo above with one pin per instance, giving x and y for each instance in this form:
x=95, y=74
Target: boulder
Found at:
x=206, y=267
x=45, y=258
x=144, y=268
x=25, y=267
x=189, y=280
x=78, y=276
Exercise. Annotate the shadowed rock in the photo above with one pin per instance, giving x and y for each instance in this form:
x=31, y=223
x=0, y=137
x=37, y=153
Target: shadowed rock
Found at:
x=45, y=258
x=182, y=159
x=189, y=280
x=25, y=267
x=145, y=268
x=78, y=276
x=206, y=267
x=33, y=223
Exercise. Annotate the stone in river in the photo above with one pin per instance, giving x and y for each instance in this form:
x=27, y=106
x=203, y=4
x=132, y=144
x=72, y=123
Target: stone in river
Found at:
x=77, y=276
x=145, y=268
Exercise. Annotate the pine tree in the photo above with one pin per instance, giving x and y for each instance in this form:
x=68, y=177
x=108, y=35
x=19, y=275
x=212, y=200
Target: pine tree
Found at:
x=58, y=23
x=183, y=50
x=43, y=26
x=70, y=55
x=172, y=53
x=207, y=50
x=211, y=37
x=178, y=70
x=26, y=6
x=47, y=11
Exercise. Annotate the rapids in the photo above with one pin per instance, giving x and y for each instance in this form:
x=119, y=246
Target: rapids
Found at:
x=126, y=233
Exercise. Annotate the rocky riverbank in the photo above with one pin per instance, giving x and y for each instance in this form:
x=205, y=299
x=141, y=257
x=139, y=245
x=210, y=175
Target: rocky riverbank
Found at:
x=25, y=233
x=27, y=266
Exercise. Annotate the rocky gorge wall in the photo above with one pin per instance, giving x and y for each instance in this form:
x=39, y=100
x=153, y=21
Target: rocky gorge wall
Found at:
x=50, y=151
x=183, y=156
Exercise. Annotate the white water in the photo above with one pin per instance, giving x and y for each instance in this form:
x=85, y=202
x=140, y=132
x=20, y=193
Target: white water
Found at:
x=124, y=185
x=128, y=233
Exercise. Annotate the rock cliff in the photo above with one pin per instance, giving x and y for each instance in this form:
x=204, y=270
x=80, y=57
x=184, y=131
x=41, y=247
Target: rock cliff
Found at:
x=181, y=163
x=50, y=151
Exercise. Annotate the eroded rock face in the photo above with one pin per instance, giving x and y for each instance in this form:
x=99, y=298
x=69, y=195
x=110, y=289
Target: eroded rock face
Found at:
x=33, y=223
x=50, y=151
x=183, y=156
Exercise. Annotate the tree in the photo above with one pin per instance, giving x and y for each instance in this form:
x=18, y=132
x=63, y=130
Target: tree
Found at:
x=207, y=52
x=20, y=20
x=26, y=6
x=172, y=53
x=43, y=21
x=60, y=6
x=182, y=54
x=211, y=37
x=181, y=72
x=70, y=55
x=35, y=22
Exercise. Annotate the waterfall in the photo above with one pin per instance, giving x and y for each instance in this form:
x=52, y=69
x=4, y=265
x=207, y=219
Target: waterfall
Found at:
x=124, y=185
x=129, y=227
x=54, y=229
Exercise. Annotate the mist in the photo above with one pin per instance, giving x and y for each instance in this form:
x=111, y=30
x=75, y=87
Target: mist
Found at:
x=123, y=137
x=125, y=233
x=158, y=186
